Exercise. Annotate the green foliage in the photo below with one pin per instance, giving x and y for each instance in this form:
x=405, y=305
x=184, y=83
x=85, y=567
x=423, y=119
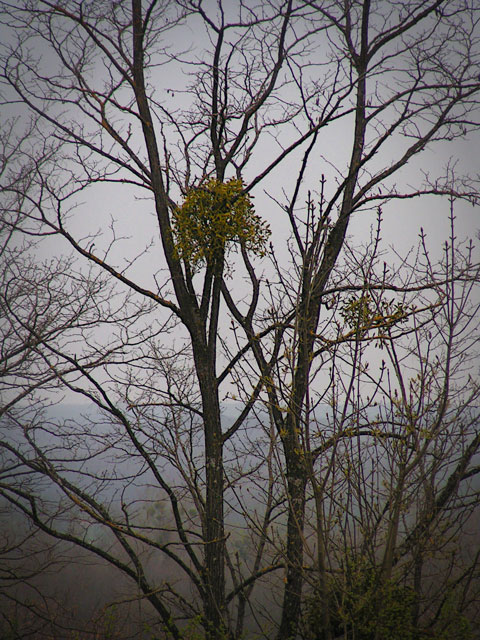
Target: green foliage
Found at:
x=110, y=626
x=357, y=312
x=361, y=313
x=212, y=218
x=363, y=608
x=453, y=624
x=195, y=630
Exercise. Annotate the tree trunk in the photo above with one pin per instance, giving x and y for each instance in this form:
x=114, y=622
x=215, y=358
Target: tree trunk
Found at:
x=214, y=533
x=292, y=597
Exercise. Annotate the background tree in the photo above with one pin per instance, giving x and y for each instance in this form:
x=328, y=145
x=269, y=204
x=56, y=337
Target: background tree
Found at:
x=388, y=463
x=155, y=334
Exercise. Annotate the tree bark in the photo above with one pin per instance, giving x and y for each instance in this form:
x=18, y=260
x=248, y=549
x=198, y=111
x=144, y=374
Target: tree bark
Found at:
x=292, y=599
x=214, y=533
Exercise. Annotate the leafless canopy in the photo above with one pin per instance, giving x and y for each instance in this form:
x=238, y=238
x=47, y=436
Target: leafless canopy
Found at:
x=280, y=443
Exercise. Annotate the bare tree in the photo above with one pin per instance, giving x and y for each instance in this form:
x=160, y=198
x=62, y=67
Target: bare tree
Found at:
x=189, y=127
x=391, y=461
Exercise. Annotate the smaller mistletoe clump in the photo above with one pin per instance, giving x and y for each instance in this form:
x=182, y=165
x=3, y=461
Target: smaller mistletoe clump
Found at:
x=216, y=215
x=362, y=314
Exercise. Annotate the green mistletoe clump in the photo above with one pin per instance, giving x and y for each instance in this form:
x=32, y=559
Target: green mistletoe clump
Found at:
x=214, y=218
